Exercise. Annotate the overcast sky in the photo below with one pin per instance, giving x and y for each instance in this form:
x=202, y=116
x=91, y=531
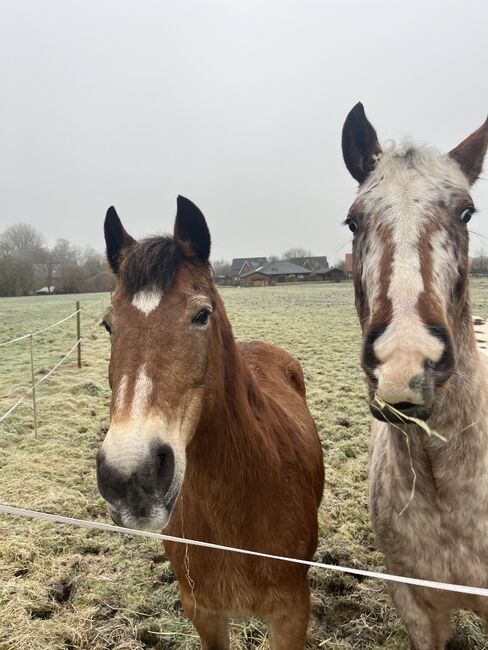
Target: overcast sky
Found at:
x=236, y=105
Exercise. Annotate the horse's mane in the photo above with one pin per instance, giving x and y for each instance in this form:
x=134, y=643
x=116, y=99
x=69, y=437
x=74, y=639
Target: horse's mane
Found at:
x=150, y=262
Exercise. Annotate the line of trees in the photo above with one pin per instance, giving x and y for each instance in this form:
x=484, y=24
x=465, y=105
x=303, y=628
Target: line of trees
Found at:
x=27, y=265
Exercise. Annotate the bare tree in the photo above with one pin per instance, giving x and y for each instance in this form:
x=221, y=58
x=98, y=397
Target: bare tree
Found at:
x=221, y=267
x=479, y=263
x=297, y=251
x=19, y=239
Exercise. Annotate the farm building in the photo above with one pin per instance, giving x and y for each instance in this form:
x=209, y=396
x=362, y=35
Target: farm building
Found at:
x=241, y=265
x=45, y=291
x=348, y=263
x=311, y=263
x=329, y=275
x=273, y=272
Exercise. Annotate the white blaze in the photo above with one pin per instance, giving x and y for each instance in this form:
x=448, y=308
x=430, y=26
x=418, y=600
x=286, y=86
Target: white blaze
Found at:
x=121, y=395
x=146, y=300
x=142, y=392
x=401, y=193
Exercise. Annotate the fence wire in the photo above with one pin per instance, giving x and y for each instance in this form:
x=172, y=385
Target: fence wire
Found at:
x=33, y=387
x=121, y=530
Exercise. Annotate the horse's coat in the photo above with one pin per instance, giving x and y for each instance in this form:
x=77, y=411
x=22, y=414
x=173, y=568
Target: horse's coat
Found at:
x=209, y=438
x=410, y=258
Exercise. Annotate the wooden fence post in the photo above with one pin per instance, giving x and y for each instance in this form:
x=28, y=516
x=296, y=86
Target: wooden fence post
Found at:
x=78, y=331
x=33, y=384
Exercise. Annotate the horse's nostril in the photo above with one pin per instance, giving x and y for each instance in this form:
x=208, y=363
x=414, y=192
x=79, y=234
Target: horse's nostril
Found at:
x=164, y=465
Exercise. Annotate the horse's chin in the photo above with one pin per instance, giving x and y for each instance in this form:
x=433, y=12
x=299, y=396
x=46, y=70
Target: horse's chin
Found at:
x=400, y=414
x=156, y=520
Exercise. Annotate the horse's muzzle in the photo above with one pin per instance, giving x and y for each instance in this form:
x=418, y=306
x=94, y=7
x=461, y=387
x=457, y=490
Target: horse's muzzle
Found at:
x=399, y=413
x=143, y=497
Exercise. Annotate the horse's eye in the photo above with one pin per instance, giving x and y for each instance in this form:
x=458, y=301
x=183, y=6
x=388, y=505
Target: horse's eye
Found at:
x=107, y=326
x=351, y=223
x=467, y=213
x=201, y=319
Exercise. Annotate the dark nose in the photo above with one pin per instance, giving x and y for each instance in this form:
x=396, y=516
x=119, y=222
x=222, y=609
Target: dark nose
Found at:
x=444, y=367
x=369, y=360
x=142, y=488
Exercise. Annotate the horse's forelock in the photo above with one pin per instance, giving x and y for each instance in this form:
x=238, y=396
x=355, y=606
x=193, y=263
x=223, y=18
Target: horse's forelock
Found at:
x=150, y=262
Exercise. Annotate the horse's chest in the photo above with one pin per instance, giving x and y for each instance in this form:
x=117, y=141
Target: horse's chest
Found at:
x=438, y=536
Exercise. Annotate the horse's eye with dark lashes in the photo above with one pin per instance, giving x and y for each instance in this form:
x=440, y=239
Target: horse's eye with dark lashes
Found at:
x=201, y=319
x=351, y=223
x=467, y=213
x=107, y=326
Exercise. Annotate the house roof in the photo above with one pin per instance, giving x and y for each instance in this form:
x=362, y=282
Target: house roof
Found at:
x=279, y=268
x=312, y=262
x=254, y=263
x=46, y=290
x=327, y=270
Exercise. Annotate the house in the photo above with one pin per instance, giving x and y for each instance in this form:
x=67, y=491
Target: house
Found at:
x=241, y=265
x=311, y=263
x=273, y=272
x=329, y=275
x=348, y=264
x=45, y=291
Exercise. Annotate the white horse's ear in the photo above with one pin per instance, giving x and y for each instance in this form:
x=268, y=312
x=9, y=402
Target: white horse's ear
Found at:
x=471, y=152
x=116, y=238
x=360, y=146
x=191, y=232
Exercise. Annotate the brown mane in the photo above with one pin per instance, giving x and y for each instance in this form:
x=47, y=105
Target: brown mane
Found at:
x=151, y=261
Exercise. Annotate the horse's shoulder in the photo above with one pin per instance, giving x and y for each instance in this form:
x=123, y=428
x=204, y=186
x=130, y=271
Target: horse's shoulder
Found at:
x=266, y=359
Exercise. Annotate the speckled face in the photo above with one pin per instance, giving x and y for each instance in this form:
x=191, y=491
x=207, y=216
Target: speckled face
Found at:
x=410, y=254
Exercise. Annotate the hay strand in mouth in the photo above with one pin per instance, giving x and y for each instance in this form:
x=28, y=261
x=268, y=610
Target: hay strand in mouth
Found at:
x=381, y=405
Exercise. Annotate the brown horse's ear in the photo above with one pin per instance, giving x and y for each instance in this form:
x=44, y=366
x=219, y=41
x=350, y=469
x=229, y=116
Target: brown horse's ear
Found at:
x=471, y=152
x=191, y=231
x=360, y=145
x=116, y=238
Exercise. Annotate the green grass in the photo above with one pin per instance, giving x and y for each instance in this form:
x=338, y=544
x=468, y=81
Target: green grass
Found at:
x=67, y=588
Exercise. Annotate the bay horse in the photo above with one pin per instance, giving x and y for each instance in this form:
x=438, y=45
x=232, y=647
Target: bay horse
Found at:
x=428, y=496
x=209, y=439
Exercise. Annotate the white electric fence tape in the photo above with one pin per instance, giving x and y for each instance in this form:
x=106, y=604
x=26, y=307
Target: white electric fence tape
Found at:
x=109, y=528
x=48, y=374
x=44, y=329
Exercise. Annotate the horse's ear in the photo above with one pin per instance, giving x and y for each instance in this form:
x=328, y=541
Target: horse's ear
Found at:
x=471, y=152
x=116, y=238
x=360, y=146
x=191, y=231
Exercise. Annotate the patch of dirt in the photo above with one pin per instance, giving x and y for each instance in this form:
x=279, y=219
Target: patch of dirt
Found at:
x=62, y=590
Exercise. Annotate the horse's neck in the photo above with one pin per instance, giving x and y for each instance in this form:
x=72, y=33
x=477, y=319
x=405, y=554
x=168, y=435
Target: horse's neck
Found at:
x=460, y=416
x=229, y=436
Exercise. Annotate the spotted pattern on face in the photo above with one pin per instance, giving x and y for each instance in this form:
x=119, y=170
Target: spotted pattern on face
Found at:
x=409, y=201
x=409, y=252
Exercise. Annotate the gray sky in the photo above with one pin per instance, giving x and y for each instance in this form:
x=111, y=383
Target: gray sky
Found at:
x=236, y=105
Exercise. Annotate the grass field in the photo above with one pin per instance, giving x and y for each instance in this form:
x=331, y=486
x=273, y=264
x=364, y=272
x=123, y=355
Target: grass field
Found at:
x=67, y=588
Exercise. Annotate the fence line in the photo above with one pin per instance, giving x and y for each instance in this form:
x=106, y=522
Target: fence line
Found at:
x=39, y=382
x=44, y=329
x=48, y=327
x=83, y=523
x=121, y=530
x=33, y=387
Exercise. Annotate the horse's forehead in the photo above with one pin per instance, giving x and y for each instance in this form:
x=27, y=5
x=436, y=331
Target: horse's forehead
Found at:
x=420, y=177
x=147, y=300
